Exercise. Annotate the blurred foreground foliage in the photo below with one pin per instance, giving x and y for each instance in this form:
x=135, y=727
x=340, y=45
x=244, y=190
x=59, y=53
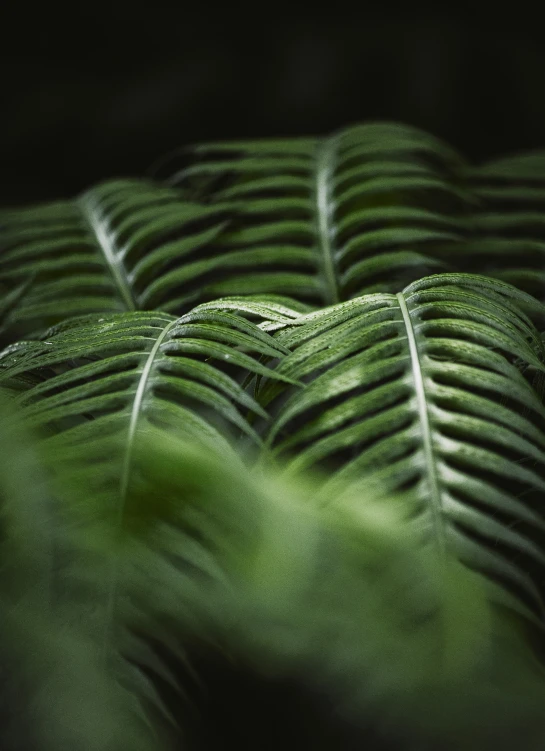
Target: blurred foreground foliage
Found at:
x=107, y=617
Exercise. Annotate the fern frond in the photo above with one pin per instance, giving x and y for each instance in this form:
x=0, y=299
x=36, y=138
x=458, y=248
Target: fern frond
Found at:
x=430, y=390
x=118, y=247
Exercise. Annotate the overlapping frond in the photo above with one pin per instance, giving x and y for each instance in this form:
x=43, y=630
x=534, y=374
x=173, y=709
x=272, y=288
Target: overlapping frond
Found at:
x=118, y=247
x=370, y=209
x=436, y=391
x=328, y=219
x=97, y=374
x=320, y=220
x=509, y=228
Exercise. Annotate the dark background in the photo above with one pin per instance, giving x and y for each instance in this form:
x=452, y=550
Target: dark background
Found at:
x=103, y=89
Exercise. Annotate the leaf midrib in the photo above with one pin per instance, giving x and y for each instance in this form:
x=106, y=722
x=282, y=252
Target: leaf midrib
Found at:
x=113, y=261
x=125, y=475
x=427, y=439
x=325, y=159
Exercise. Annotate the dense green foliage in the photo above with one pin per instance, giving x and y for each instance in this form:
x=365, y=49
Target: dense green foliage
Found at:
x=285, y=406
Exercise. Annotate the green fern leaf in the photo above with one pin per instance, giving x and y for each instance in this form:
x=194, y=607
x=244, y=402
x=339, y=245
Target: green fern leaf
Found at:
x=429, y=390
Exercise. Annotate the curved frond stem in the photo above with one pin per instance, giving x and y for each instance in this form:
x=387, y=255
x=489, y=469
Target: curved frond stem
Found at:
x=136, y=412
x=137, y=407
x=91, y=215
x=325, y=167
x=423, y=413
